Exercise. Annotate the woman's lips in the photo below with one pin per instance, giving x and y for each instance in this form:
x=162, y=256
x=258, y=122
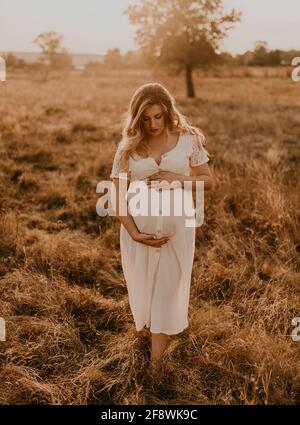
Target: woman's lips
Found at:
x=153, y=131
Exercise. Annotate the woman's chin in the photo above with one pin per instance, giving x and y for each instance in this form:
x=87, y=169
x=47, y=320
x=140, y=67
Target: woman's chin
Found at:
x=155, y=133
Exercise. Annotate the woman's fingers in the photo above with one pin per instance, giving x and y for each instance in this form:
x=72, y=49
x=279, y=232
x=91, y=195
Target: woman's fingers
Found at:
x=159, y=242
x=154, y=240
x=148, y=236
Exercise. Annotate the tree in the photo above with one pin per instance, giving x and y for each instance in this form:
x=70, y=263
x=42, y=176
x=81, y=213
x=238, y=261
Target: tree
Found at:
x=113, y=58
x=184, y=34
x=52, y=51
x=62, y=60
x=263, y=56
x=260, y=53
x=133, y=59
x=13, y=62
x=275, y=57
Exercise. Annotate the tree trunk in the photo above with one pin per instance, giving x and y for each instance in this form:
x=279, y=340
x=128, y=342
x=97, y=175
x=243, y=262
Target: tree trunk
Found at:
x=189, y=81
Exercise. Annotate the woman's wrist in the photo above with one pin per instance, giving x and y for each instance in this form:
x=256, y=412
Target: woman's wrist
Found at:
x=135, y=234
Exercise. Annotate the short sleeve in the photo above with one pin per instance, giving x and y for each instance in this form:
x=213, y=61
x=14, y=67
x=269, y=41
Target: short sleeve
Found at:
x=199, y=155
x=116, y=171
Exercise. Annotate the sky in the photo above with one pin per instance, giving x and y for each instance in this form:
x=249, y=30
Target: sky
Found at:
x=93, y=26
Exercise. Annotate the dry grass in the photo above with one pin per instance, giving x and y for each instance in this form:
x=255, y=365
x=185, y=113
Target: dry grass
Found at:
x=70, y=333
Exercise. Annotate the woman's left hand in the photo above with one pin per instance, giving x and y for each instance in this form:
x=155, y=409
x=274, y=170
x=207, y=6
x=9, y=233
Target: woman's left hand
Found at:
x=168, y=176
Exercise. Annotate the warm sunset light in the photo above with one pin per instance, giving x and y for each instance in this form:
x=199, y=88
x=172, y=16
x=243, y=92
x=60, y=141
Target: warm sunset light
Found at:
x=149, y=208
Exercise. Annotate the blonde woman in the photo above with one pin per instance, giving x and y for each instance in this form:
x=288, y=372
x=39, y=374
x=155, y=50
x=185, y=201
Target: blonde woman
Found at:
x=160, y=149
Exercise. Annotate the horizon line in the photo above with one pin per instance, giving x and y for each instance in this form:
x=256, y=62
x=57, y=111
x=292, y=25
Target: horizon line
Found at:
x=71, y=52
x=135, y=51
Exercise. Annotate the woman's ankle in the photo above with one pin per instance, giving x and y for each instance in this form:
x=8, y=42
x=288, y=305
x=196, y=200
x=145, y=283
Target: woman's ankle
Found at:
x=155, y=364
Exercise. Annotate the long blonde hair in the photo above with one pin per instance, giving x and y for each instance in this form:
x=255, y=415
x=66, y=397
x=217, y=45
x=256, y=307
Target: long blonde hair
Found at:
x=133, y=131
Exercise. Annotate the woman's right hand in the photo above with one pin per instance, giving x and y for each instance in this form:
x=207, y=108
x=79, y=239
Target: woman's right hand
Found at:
x=151, y=239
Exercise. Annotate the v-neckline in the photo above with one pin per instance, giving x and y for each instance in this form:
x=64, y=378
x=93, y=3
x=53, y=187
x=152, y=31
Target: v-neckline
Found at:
x=164, y=154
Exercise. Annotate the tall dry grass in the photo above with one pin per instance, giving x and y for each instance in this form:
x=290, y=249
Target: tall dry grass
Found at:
x=70, y=334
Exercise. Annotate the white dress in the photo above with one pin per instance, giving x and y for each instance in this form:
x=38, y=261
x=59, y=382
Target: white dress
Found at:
x=158, y=279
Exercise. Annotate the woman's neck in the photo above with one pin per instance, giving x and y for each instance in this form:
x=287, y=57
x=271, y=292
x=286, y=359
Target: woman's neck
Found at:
x=159, y=141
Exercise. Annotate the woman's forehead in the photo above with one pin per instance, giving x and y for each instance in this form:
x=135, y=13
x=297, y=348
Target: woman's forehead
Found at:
x=153, y=110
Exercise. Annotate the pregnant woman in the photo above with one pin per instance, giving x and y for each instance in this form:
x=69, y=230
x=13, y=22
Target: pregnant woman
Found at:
x=159, y=150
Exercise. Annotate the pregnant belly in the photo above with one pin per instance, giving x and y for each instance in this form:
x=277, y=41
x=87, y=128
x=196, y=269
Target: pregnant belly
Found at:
x=160, y=212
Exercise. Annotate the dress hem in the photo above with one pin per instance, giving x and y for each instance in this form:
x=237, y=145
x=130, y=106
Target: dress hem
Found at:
x=162, y=331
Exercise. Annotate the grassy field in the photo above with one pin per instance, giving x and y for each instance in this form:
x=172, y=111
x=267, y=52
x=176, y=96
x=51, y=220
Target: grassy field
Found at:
x=70, y=336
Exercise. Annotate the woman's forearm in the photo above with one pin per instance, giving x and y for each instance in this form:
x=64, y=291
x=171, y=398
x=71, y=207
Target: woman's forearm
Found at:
x=209, y=182
x=127, y=219
x=119, y=191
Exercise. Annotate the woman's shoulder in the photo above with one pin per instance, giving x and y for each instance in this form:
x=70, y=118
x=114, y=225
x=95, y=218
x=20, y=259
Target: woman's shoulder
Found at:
x=194, y=139
x=188, y=139
x=122, y=143
x=120, y=146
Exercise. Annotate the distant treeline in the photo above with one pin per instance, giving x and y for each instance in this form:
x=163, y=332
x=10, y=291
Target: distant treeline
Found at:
x=112, y=59
x=59, y=61
x=261, y=55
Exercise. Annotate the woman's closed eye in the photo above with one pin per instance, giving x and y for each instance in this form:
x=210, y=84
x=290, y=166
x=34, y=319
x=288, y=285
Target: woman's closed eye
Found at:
x=157, y=117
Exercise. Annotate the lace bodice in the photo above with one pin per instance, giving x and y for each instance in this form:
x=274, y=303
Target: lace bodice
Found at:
x=187, y=153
